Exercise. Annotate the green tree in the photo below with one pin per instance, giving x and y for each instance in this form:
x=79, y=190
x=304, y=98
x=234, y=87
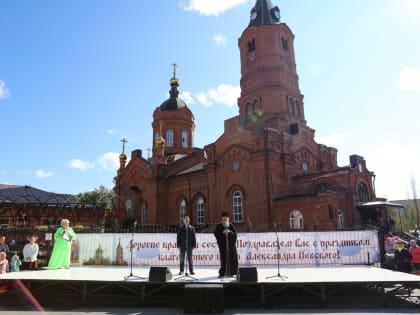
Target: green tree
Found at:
x=99, y=197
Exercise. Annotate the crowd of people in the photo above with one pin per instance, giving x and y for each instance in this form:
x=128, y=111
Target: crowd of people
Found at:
x=11, y=261
x=401, y=258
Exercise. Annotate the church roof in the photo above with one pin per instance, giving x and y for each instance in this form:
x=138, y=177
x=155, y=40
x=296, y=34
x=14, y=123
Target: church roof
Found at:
x=264, y=13
x=173, y=102
x=194, y=168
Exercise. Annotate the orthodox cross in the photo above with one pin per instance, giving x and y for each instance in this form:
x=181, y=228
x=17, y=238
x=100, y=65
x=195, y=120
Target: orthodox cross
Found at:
x=175, y=66
x=124, y=141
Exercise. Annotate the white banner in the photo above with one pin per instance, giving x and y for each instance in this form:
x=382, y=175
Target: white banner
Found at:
x=295, y=248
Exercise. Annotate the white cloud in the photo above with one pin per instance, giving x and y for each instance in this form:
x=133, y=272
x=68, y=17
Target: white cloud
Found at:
x=187, y=97
x=4, y=91
x=224, y=94
x=80, y=164
x=220, y=39
x=394, y=164
x=109, y=161
x=111, y=131
x=202, y=98
x=43, y=174
x=334, y=139
x=211, y=7
x=409, y=79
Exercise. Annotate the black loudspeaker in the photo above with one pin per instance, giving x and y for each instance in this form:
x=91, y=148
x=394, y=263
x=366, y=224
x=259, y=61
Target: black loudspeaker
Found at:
x=160, y=274
x=248, y=274
x=203, y=298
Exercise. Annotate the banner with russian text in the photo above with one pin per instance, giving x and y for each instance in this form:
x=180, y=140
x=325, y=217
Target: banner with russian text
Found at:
x=294, y=248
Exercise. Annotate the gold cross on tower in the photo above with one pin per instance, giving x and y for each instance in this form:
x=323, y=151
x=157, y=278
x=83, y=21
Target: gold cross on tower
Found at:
x=175, y=66
x=124, y=141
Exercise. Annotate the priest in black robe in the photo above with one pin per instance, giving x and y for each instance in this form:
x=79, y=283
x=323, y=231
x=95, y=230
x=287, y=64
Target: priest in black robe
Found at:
x=225, y=233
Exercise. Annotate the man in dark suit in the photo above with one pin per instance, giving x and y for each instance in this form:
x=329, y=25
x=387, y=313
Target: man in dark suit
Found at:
x=226, y=235
x=186, y=242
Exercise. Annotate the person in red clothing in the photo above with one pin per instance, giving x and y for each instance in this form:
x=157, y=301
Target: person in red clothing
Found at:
x=415, y=261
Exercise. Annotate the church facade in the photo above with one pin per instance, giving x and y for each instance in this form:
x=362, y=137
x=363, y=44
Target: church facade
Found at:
x=265, y=168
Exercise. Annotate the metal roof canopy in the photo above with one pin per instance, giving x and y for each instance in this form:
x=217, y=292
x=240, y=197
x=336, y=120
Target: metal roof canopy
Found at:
x=379, y=204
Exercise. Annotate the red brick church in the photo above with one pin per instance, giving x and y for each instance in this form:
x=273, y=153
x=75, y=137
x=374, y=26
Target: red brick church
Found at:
x=266, y=166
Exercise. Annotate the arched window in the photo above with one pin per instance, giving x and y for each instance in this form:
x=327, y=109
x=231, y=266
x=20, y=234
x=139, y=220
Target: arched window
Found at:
x=362, y=193
x=169, y=138
x=182, y=210
x=249, y=110
x=185, y=139
x=297, y=109
x=237, y=207
x=157, y=136
x=129, y=209
x=340, y=219
x=200, y=211
x=292, y=107
x=296, y=220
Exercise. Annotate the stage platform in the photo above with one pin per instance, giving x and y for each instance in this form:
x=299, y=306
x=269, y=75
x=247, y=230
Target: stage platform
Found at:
x=330, y=286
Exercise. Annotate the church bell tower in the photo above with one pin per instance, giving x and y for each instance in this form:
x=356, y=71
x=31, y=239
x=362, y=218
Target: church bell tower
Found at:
x=270, y=95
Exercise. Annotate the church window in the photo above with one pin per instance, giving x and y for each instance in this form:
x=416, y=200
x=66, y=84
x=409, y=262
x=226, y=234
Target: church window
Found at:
x=169, y=138
x=362, y=193
x=236, y=165
x=296, y=220
x=182, y=210
x=360, y=168
x=129, y=209
x=305, y=167
x=292, y=107
x=340, y=219
x=185, y=139
x=249, y=110
x=144, y=212
x=330, y=212
x=297, y=109
x=251, y=49
x=284, y=43
x=237, y=207
x=157, y=136
x=200, y=211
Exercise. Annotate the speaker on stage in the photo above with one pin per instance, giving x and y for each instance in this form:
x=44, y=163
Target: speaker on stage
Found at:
x=160, y=274
x=203, y=298
x=248, y=274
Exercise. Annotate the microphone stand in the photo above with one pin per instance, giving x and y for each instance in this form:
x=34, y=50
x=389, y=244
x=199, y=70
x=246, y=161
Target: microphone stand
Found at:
x=130, y=276
x=186, y=264
x=278, y=275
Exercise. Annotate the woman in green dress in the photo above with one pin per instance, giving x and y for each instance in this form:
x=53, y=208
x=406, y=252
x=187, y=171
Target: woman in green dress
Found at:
x=63, y=237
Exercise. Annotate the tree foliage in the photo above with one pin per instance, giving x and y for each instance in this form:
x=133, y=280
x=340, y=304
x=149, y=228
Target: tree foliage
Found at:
x=99, y=197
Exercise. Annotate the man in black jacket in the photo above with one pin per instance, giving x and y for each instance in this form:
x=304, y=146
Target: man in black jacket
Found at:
x=226, y=235
x=186, y=242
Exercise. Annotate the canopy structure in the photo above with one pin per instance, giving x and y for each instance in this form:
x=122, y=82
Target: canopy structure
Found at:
x=30, y=206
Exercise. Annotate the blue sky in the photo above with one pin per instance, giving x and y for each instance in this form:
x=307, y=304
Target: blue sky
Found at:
x=77, y=76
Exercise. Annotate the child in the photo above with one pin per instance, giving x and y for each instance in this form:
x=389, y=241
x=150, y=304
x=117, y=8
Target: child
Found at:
x=30, y=254
x=4, y=264
x=15, y=262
